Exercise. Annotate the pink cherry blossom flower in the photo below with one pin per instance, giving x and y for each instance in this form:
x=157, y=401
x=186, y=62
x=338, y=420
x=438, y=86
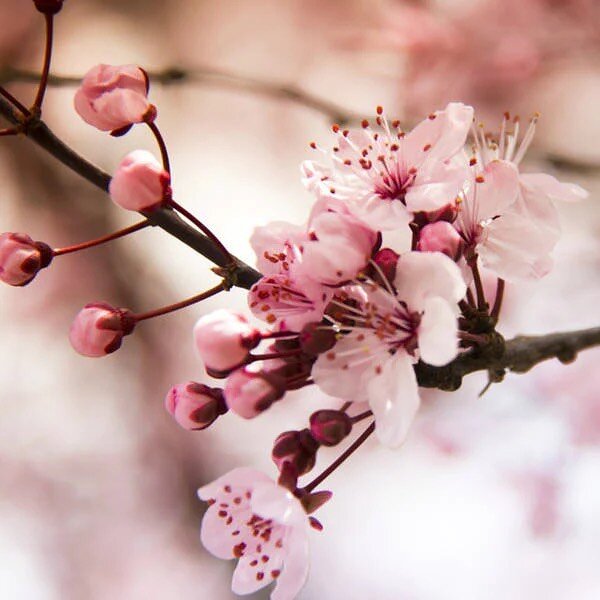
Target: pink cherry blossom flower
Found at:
x=113, y=97
x=224, y=339
x=98, y=329
x=384, y=331
x=262, y=524
x=251, y=390
x=385, y=175
x=140, y=182
x=440, y=237
x=194, y=405
x=282, y=303
x=510, y=219
x=21, y=258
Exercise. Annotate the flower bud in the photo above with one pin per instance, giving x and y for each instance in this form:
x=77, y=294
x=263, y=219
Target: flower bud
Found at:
x=387, y=260
x=21, y=258
x=194, y=405
x=112, y=98
x=249, y=391
x=48, y=7
x=330, y=427
x=445, y=213
x=440, y=237
x=297, y=448
x=315, y=339
x=99, y=329
x=224, y=339
x=140, y=182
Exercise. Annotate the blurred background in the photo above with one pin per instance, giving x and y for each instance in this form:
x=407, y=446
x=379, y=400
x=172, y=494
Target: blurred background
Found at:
x=495, y=497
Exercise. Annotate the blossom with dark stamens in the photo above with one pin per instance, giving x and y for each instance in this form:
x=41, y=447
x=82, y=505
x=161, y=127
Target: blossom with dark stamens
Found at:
x=262, y=524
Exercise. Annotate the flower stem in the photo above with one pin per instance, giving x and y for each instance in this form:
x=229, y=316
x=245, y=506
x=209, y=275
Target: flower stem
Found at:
x=336, y=463
x=164, y=153
x=481, y=304
x=188, y=215
x=101, y=240
x=499, y=297
x=361, y=416
x=23, y=109
x=183, y=304
x=273, y=355
x=39, y=99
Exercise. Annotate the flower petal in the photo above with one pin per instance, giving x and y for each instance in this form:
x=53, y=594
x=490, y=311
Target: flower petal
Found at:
x=553, y=189
x=295, y=567
x=438, y=341
x=394, y=399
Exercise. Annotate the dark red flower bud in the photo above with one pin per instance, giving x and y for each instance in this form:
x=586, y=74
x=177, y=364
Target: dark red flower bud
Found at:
x=387, y=260
x=297, y=448
x=330, y=427
x=48, y=7
x=315, y=339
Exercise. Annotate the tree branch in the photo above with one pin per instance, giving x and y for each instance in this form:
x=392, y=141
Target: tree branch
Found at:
x=518, y=355
x=165, y=218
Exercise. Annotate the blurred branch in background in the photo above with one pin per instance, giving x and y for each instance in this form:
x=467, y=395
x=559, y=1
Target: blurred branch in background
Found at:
x=209, y=76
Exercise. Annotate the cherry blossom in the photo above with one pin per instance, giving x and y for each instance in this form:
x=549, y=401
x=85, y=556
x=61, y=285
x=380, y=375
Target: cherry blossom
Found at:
x=384, y=331
x=195, y=405
x=98, y=329
x=262, y=524
x=384, y=175
x=140, y=182
x=224, y=339
x=21, y=258
x=113, y=97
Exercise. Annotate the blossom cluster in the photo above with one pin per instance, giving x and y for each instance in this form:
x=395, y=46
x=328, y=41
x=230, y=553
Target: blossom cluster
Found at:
x=387, y=272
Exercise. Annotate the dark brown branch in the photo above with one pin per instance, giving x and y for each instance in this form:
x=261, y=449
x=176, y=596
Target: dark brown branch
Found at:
x=37, y=131
x=518, y=355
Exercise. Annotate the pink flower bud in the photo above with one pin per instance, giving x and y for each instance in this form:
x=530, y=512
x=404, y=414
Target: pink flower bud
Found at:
x=111, y=98
x=224, y=339
x=297, y=448
x=21, y=258
x=248, y=391
x=48, y=7
x=330, y=427
x=98, y=329
x=194, y=405
x=140, y=182
x=440, y=237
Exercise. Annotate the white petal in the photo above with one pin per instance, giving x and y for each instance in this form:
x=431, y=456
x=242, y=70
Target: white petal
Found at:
x=341, y=371
x=272, y=501
x=423, y=274
x=394, y=399
x=244, y=579
x=438, y=341
x=295, y=567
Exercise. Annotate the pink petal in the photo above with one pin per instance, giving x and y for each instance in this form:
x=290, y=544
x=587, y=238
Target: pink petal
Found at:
x=296, y=565
x=498, y=191
x=553, y=189
x=272, y=501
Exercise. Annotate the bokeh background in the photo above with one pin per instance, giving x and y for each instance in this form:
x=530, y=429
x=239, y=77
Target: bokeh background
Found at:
x=495, y=497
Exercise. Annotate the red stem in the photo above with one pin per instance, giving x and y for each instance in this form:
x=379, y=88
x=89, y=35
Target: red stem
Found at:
x=183, y=304
x=14, y=102
x=361, y=416
x=39, y=99
x=481, y=304
x=336, y=463
x=161, y=144
x=101, y=240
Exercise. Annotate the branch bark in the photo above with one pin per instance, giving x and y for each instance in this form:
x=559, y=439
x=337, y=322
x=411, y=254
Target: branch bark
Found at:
x=518, y=355
x=165, y=218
